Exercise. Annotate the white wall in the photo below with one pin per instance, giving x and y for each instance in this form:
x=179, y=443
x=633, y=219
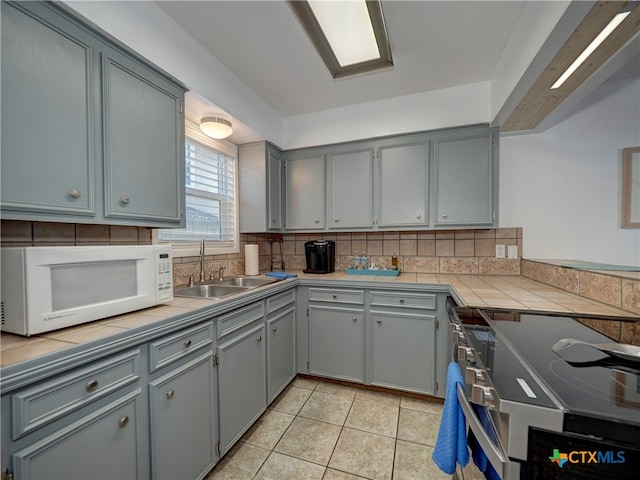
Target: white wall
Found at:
x=563, y=186
x=456, y=106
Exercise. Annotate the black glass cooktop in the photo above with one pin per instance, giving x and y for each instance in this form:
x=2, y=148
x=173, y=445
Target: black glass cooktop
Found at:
x=583, y=381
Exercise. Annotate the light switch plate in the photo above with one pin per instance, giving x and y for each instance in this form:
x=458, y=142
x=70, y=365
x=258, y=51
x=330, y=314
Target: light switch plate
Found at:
x=512, y=251
x=500, y=251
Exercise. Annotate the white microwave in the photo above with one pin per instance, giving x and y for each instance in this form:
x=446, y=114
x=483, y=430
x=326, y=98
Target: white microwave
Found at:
x=47, y=288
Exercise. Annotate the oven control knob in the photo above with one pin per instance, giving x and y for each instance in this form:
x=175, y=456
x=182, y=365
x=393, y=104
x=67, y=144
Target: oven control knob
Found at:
x=465, y=353
x=458, y=337
x=474, y=375
x=483, y=395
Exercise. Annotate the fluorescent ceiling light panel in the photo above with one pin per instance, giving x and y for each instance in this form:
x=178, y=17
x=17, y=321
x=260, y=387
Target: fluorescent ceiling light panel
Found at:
x=350, y=35
x=348, y=29
x=606, y=31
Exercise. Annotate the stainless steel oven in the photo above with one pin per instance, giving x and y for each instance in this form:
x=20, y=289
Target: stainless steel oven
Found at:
x=520, y=394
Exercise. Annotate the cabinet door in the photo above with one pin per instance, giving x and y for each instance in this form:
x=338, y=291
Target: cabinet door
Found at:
x=274, y=187
x=48, y=125
x=351, y=189
x=106, y=444
x=281, y=359
x=143, y=143
x=403, y=351
x=403, y=185
x=305, y=187
x=336, y=346
x=242, y=386
x=464, y=181
x=183, y=421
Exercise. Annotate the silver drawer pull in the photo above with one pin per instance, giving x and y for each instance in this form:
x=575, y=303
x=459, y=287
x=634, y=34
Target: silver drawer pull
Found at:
x=379, y=322
x=125, y=199
x=334, y=296
x=124, y=421
x=402, y=300
x=75, y=193
x=274, y=220
x=171, y=394
x=92, y=386
x=275, y=329
x=260, y=338
x=444, y=215
x=187, y=343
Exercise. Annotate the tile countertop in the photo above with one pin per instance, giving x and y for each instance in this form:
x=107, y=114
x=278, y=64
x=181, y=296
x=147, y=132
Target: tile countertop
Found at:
x=475, y=290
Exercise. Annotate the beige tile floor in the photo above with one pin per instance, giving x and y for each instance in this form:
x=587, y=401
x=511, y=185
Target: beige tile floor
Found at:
x=324, y=431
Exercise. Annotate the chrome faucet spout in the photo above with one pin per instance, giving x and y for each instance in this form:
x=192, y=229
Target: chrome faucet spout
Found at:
x=202, y=273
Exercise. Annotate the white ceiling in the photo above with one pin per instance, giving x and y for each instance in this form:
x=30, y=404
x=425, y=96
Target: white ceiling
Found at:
x=434, y=45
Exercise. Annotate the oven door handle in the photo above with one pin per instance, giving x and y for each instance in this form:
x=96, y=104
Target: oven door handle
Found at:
x=497, y=458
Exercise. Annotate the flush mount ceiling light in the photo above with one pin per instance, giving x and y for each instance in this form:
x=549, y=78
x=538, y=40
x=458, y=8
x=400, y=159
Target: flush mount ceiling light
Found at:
x=350, y=36
x=216, y=127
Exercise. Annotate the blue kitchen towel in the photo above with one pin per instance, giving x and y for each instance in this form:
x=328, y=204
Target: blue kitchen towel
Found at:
x=451, y=444
x=481, y=460
x=280, y=275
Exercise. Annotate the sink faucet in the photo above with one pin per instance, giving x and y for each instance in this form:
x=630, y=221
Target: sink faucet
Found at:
x=221, y=273
x=202, y=273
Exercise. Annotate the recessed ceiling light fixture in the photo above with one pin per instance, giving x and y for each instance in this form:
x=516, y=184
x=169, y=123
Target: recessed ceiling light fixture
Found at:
x=606, y=31
x=350, y=36
x=216, y=127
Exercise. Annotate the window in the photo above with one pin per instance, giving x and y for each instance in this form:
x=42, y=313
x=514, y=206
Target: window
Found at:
x=211, y=197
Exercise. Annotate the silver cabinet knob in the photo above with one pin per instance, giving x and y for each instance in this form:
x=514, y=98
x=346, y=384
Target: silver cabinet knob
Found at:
x=275, y=329
x=444, y=215
x=260, y=338
x=92, y=386
x=273, y=220
x=171, y=394
x=125, y=199
x=418, y=216
x=75, y=193
x=124, y=421
x=401, y=300
x=317, y=220
x=355, y=318
x=336, y=220
x=379, y=322
x=187, y=343
x=483, y=395
x=334, y=296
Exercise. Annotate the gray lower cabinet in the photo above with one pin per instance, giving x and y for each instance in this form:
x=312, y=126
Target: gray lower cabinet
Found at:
x=106, y=444
x=241, y=382
x=281, y=342
x=403, y=351
x=183, y=421
x=336, y=342
x=91, y=133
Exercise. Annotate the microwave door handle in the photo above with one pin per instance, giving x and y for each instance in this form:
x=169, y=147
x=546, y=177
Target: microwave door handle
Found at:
x=494, y=455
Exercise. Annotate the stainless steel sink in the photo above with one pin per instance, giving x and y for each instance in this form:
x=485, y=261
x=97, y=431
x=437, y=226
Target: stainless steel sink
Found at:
x=208, y=291
x=247, y=281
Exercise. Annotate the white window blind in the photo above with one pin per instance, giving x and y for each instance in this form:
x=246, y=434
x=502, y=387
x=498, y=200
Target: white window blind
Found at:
x=211, y=197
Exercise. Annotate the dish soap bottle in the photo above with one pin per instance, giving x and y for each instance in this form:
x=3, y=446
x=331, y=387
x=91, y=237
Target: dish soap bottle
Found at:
x=394, y=261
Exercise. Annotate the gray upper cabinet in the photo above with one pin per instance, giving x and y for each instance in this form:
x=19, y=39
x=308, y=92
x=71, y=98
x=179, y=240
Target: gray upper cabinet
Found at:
x=305, y=192
x=260, y=180
x=143, y=136
x=465, y=178
x=48, y=121
x=91, y=132
x=403, y=185
x=350, y=188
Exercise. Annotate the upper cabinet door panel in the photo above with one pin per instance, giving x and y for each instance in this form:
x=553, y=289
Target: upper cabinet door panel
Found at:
x=403, y=185
x=464, y=181
x=305, y=187
x=143, y=136
x=48, y=123
x=274, y=169
x=351, y=188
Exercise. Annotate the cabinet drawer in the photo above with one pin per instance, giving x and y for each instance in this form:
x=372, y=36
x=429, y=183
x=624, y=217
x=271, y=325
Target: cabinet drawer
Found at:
x=48, y=401
x=239, y=318
x=174, y=347
x=405, y=300
x=279, y=301
x=355, y=297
